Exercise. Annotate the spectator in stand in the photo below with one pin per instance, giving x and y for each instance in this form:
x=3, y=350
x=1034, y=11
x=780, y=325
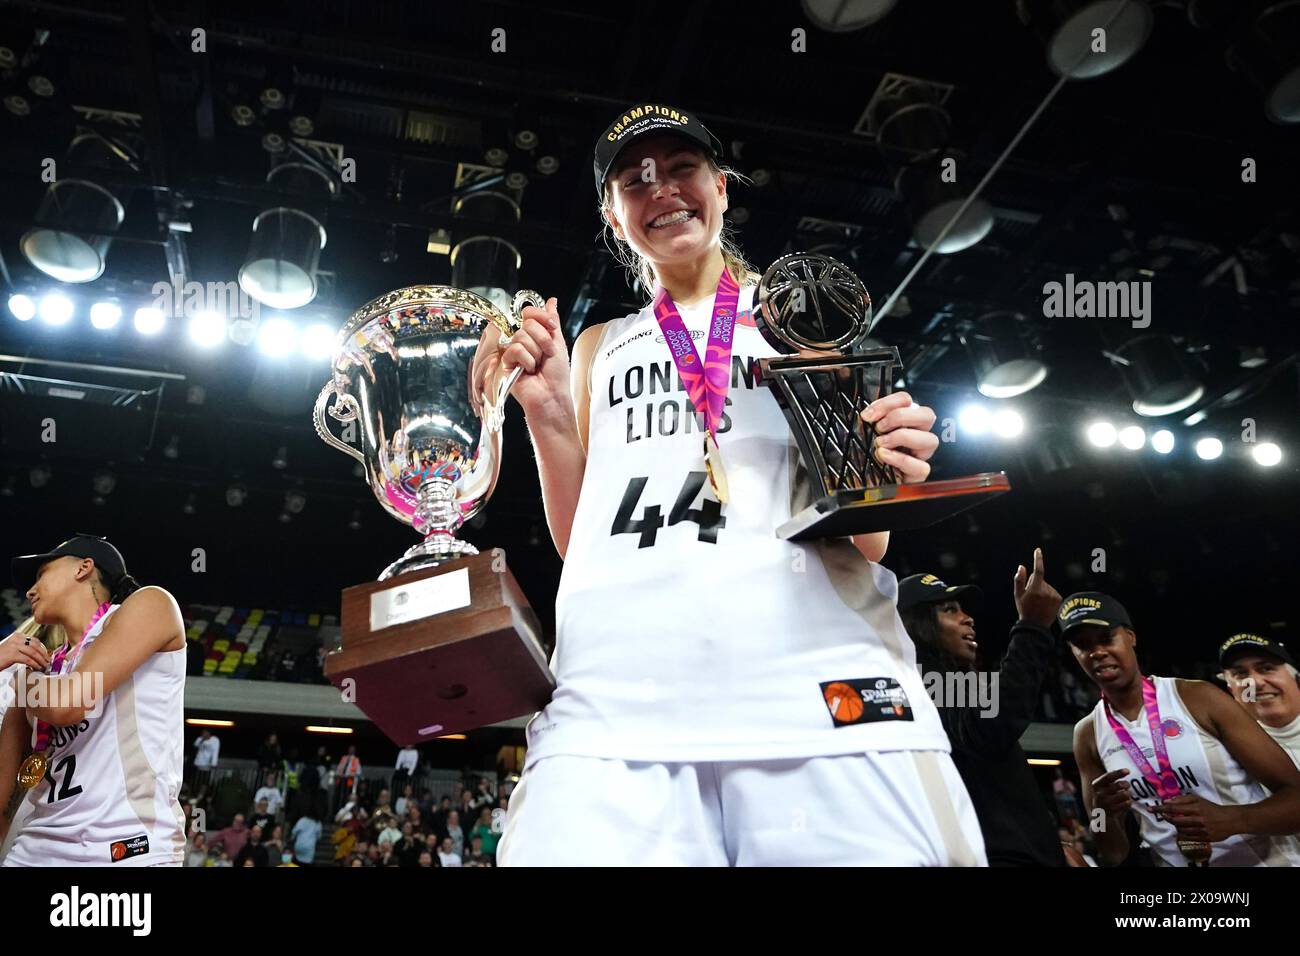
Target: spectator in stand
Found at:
x=428, y=808
x=270, y=792
x=374, y=856
x=346, y=774
x=454, y=832
x=305, y=835
x=1067, y=800
x=487, y=832
x=365, y=799
x=274, y=843
x=457, y=789
x=222, y=858
x=405, y=800
x=407, y=848
x=308, y=786
x=389, y=835
x=413, y=817
x=207, y=748
x=269, y=756
x=196, y=854
x=467, y=812
x=447, y=856
x=426, y=859
x=233, y=837
x=476, y=855
x=438, y=815
x=253, y=850
x=262, y=815
x=383, y=805
x=484, y=797
x=408, y=758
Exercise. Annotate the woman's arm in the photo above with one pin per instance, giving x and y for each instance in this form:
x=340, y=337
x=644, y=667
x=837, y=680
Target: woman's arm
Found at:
x=559, y=430
x=1260, y=756
x=146, y=623
x=13, y=741
x=1103, y=790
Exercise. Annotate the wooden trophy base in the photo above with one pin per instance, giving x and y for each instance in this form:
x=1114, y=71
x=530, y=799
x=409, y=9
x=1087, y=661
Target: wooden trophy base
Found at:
x=892, y=507
x=441, y=651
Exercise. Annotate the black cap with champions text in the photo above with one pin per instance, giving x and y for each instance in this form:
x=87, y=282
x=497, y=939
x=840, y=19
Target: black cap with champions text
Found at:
x=106, y=557
x=1240, y=644
x=645, y=119
x=928, y=589
x=1091, y=607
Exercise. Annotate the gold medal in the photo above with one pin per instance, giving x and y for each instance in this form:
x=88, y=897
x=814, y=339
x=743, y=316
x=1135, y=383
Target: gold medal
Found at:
x=32, y=771
x=713, y=466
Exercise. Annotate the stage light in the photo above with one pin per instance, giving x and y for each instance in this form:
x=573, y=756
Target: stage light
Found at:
x=277, y=337
x=1102, y=434
x=318, y=729
x=40, y=476
x=208, y=329
x=1132, y=437
x=172, y=450
x=1157, y=376
x=1008, y=423
x=22, y=307
x=975, y=419
x=104, y=482
x=236, y=495
x=280, y=268
x=294, y=502
x=1068, y=28
x=206, y=722
x=149, y=321
x=1209, y=448
x=1266, y=454
x=188, y=508
x=318, y=341
x=1163, y=441
x=77, y=218
x=105, y=315
x=1265, y=52
x=56, y=309
x=837, y=16
x=1002, y=355
x=281, y=460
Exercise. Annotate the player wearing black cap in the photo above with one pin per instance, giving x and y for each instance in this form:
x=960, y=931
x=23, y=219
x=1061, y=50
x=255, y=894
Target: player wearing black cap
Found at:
x=1017, y=825
x=102, y=780
x=712, y=678
x=1178, y=753
x=1261, y=674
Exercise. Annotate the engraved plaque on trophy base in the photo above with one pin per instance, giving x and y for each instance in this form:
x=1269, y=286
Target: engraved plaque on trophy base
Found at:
x=442, y=650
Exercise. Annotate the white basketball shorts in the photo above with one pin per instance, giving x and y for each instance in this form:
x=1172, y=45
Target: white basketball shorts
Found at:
x=890, y=808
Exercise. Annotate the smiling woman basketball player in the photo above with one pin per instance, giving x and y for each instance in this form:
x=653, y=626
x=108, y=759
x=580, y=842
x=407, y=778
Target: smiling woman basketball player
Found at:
x=724, y=696
x=102, y=783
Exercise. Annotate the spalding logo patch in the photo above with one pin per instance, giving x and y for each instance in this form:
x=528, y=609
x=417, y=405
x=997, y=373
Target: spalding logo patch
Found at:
x=865, y=700
x=135, y=846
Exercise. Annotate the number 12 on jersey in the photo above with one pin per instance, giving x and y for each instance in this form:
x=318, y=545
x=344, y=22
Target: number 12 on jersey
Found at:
x=708, y=516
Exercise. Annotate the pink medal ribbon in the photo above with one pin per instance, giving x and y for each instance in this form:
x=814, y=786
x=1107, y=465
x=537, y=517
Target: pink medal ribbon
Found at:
x=56, y=668
x=1166, y=781
x=706, y=382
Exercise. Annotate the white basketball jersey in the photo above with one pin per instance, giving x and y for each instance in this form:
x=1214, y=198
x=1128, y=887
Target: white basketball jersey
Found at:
x=1204, y=768
x=110, y=793
x=688, y=631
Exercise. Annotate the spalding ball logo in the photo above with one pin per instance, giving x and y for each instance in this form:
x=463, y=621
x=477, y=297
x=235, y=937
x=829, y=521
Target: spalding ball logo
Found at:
x=119, y=851
x=844, y=702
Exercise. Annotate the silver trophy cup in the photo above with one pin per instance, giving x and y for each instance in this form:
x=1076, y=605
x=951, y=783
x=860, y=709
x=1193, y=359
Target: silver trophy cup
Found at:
x=401, y=386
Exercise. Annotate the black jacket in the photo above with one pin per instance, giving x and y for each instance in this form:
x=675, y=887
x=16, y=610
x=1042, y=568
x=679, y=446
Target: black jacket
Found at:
x=1018, y=826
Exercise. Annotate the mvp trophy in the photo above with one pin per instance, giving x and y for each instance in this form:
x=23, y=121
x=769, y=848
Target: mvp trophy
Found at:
x=445, y=640
x=813, y=302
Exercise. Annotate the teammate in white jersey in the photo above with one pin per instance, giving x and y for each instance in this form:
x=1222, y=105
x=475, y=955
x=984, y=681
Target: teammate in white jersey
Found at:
x=105, y=724
x=1180, y=754
x=723, y=696
x=1261, y=675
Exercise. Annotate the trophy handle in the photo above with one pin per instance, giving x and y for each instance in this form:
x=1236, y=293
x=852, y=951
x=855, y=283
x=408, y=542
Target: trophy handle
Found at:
x=496, y=410
x=344, y=410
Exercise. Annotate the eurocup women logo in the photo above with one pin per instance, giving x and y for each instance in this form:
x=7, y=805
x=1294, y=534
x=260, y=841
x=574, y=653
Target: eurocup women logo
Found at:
x=1172, y=728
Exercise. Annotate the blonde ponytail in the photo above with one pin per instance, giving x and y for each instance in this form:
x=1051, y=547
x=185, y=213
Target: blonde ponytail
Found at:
x=53, y=636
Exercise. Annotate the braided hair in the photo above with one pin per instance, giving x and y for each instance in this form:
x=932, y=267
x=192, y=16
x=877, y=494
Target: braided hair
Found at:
x=120, y=588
